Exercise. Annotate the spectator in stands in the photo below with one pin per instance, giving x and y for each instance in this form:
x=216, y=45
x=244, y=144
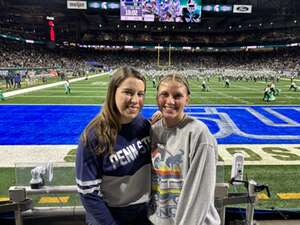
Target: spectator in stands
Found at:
x=184, y=158
x=113, y=164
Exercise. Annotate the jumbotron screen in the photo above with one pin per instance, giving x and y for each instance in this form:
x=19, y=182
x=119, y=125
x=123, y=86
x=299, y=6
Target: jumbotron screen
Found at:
x=188, y=11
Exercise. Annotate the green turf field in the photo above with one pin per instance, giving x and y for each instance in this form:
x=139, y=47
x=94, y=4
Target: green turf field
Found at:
x=92, y=91
x=281, y=179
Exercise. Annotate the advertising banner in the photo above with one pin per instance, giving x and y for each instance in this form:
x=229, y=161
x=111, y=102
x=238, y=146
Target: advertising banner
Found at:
x=76, y=5
x=242, y=8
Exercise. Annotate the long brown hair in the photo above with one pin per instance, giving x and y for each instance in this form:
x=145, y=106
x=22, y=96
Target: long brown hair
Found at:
x=106, y=125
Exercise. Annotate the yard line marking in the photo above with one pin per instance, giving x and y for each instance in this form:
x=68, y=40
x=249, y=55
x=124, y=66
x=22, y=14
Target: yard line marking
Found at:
x=229, y=96
x=41, y=87
x=47, y=200
x=288, y=196
x=4, y=199
x=262, y=196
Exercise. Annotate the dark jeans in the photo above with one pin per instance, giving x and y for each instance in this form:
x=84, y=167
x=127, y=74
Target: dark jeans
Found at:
x=133, y=215
x=130, y=215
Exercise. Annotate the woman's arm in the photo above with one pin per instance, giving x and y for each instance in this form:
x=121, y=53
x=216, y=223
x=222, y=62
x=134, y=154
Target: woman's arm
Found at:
x=88, y=180
x=197, y=195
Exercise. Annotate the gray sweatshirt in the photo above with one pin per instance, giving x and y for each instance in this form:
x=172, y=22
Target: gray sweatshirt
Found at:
x=184, y=160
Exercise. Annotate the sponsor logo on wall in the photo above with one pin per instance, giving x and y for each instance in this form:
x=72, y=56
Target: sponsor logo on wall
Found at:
x=76, y=5
x=242, y=8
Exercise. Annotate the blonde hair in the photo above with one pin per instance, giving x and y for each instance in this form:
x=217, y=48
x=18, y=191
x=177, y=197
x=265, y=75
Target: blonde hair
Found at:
x=175, y=77
x=106, y=125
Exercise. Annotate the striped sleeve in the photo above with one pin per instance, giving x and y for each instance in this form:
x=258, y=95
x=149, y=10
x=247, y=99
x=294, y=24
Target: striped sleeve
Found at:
x=88, y=179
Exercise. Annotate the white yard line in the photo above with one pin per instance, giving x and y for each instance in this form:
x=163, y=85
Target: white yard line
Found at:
x=228, y=96
x=40, y=87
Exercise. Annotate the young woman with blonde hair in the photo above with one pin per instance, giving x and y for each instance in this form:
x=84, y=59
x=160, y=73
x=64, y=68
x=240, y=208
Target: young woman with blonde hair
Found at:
x=184, y=161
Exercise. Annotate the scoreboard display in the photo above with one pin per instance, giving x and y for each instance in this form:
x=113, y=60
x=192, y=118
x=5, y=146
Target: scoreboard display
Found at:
x=188, y=11
x=131, y=10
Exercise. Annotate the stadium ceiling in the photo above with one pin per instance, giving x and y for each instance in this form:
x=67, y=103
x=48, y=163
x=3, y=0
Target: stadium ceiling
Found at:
x=275, y=21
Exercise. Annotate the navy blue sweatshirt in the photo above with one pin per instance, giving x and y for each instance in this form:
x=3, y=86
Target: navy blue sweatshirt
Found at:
x=110, y=185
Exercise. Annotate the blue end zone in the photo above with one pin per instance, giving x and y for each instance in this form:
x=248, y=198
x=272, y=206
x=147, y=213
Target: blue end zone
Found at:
x=62, y=124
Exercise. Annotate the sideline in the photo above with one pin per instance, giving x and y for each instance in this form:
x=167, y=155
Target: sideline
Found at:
x=40, y=87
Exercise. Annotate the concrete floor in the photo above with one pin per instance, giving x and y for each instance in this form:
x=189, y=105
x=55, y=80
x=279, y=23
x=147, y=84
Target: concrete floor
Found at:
x=278, y=222
x=80, y=221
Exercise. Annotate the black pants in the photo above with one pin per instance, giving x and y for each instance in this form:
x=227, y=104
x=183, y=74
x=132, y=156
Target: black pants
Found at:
x=131, y=215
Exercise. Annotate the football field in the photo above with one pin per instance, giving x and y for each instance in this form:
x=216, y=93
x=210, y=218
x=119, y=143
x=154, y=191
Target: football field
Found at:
x=93, y=91
x=46, y=124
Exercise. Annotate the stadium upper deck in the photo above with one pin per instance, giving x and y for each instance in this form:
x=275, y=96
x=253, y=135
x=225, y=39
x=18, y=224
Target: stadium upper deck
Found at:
x=268, y=22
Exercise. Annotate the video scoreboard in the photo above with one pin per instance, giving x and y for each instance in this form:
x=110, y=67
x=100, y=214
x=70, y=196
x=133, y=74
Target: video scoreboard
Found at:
x=161, y=10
